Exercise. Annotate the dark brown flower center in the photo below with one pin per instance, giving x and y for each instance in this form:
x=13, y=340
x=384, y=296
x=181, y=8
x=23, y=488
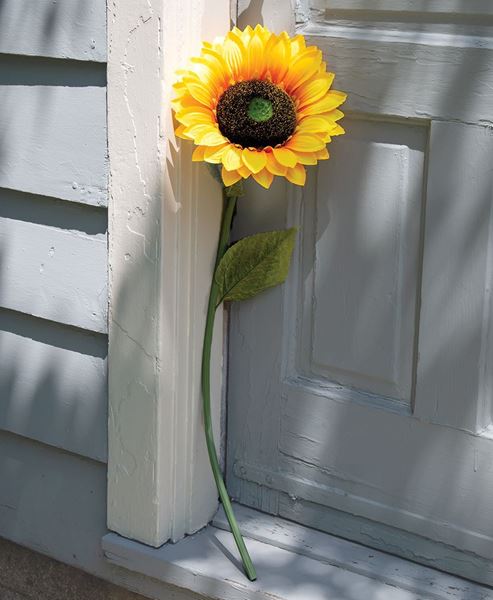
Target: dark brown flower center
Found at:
x=256, y=114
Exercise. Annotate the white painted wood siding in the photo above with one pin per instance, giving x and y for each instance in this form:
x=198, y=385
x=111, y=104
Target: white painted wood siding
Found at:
x=53, y=128
x=53, y=274
x=360, y=393
x=56, y=28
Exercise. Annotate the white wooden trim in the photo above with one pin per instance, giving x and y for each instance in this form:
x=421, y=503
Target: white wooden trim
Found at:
x=163, y=221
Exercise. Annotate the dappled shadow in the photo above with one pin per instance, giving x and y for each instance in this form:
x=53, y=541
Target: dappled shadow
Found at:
x=53, y=297
x=53, y=376
x=362, y=340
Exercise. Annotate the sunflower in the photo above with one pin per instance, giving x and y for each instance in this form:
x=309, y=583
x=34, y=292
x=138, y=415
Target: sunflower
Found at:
x=260, y=104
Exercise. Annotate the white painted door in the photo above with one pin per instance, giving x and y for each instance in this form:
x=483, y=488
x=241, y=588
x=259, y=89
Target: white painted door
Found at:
x=361, y=392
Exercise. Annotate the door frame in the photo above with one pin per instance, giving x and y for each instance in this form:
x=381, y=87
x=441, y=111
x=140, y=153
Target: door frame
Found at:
x=164, y=215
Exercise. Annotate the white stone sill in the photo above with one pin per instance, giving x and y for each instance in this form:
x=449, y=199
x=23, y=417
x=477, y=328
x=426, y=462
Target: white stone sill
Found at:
x=293, y=563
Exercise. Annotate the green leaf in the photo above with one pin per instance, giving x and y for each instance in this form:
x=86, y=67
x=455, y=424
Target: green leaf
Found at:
x=254, y=264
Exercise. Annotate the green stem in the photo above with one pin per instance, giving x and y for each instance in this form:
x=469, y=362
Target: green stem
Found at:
x=227, y=217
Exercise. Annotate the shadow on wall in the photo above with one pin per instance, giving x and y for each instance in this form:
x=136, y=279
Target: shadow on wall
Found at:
x=354, y=174
x=57, y=29
x=251, y=13
x=53, y=376
x=53, y=349
x=53, y=385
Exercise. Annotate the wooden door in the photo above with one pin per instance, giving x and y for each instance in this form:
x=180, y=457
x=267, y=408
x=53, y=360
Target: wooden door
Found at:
x=360, y=393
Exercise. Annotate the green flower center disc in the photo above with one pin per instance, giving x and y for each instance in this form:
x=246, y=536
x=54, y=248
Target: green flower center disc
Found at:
x=260, y=109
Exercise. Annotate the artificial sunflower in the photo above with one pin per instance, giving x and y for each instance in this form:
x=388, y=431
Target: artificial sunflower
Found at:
x=259, y=104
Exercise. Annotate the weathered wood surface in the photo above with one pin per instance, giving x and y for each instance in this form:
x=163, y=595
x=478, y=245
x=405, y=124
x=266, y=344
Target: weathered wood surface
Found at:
x=53, y=130
x=454, y=384
x=53, y=263
x=54, y=502
x=57, y=28
x=363, y=327
x=379, y=566
x=387, y=74
x=390, y=292
x=51, y=272
x=53, y=384
x=164, y=220
x=442, y=7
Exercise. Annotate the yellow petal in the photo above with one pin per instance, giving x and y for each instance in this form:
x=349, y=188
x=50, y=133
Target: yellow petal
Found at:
x=337, y=130
x=197, y=129
x=246, y=35
x=216, y=66
x=298, y=44
x=304, y=67
x=214, y=154
x=297, y=175
x=331, y=100
x=305, y=142
x=307, y=158
x=285, y=157
x=213, y=138
x=198, y=154
x=274, y=166
x=255, y=160
x=232, y=158
x=244, y=172
x=230, y=177
x=334, y=115
x=205, y=135
x=322, y=154
x=277, y=54
x=200, y=92
x=234, y=53
x=256, y=63
x=206, y=75
x=180, y=132
x=313, y=90
x=192, y=116
x=315, y=124
x=263, y=33
x=264, y=177
x=185, y=102
x=216, y=59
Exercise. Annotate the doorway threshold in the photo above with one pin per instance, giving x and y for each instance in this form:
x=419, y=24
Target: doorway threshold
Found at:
x=293, y=562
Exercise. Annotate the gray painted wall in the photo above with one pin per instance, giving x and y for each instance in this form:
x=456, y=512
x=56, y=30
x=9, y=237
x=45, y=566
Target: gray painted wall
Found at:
x=53, y=275
x=53, y=263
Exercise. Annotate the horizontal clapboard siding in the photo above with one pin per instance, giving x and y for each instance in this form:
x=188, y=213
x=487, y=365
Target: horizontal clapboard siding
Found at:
x=53, y=131
x=51, y=272
x=53, y=384
x=52, y=501
x=55, y=503
x=61, y=29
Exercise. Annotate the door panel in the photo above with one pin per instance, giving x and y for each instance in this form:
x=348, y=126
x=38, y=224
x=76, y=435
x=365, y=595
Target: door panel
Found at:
x=360, y=392
x=454, y=379
x=367, y=214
